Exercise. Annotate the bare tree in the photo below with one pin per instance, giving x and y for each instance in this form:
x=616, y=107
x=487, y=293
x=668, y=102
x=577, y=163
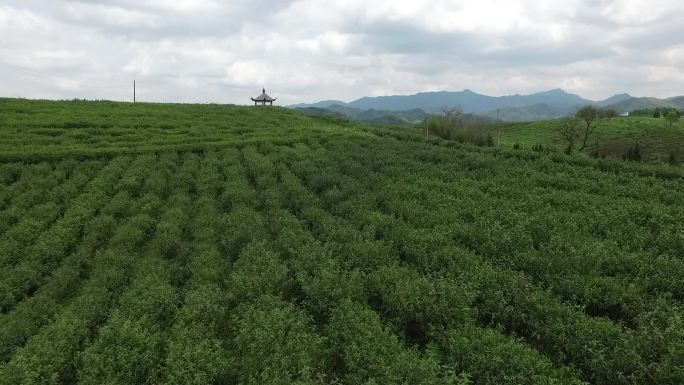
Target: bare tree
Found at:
x=588, y=115
x=453, y=116
x=570, y=132
x=452, y=113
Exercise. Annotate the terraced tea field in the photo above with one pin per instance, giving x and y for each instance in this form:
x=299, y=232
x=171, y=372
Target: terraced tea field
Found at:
x=210, y=244
x=615, y=136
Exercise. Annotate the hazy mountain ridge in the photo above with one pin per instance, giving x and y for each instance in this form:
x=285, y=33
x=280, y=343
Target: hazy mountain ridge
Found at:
x=468, y=100
x=647, y=103
x=677, y=101
x=321, y=104
x=412, y=116
x=537, y=106
x=614, y=99
x=368, y=116
x=538, y=111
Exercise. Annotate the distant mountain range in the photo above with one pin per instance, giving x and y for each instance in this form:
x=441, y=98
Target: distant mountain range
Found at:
x=538, y=106
x=374, y=116
x=368, y=116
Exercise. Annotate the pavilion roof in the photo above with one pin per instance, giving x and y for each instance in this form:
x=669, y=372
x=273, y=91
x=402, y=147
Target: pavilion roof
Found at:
x=263, y=97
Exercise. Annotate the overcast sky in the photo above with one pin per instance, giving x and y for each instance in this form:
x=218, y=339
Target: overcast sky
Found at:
x=309, y=50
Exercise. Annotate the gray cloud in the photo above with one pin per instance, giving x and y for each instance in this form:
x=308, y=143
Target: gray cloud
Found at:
x=305, y=50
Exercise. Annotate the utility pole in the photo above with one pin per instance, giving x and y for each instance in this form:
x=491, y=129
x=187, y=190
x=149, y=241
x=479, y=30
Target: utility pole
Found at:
x=133, y=91
x=427, y=127
x=498, y=123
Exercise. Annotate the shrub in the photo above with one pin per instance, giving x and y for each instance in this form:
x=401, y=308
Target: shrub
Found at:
x=276, y=344
x=633, y=153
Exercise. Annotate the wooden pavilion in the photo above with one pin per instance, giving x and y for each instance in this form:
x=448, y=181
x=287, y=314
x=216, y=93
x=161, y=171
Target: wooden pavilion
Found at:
x=263, y=99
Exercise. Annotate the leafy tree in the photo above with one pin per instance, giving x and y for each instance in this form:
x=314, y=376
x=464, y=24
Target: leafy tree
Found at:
x=641, y=112
x=608, y=113
x=672, y=117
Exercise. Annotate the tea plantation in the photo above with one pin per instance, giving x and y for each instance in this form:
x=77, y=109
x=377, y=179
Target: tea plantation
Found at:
x=659, y=142
x=213, y=244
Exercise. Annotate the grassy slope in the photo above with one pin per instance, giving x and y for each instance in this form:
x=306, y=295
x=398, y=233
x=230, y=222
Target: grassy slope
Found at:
x=656, y=139
x=39, y=129
x=233, y=244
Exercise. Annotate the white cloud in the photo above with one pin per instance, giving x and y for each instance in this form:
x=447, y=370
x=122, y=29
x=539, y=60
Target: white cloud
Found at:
x=306, y=50
x=107, y=15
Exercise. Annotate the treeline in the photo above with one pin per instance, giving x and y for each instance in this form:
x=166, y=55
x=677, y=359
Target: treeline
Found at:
x=656, y=112
x=453, y=124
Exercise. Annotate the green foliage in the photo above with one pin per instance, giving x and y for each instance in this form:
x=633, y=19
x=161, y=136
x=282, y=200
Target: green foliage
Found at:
x=453, y=126
x=608, y=113
x=371, y=354
x=237, y=228
x=653, y=112
x=672, y=159
x=188, y=244
x=492, y=358
x=672, y=117
x=610, y=139
x=258, y=271
x=422, y=304
x=276, y=344
x=633, y=154
x=587, y=114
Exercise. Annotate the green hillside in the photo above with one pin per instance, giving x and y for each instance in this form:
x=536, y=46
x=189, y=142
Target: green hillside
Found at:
x=615, y=136
x=643, y=103
x=215, y=244
x=677, y=101
x=541, y=111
